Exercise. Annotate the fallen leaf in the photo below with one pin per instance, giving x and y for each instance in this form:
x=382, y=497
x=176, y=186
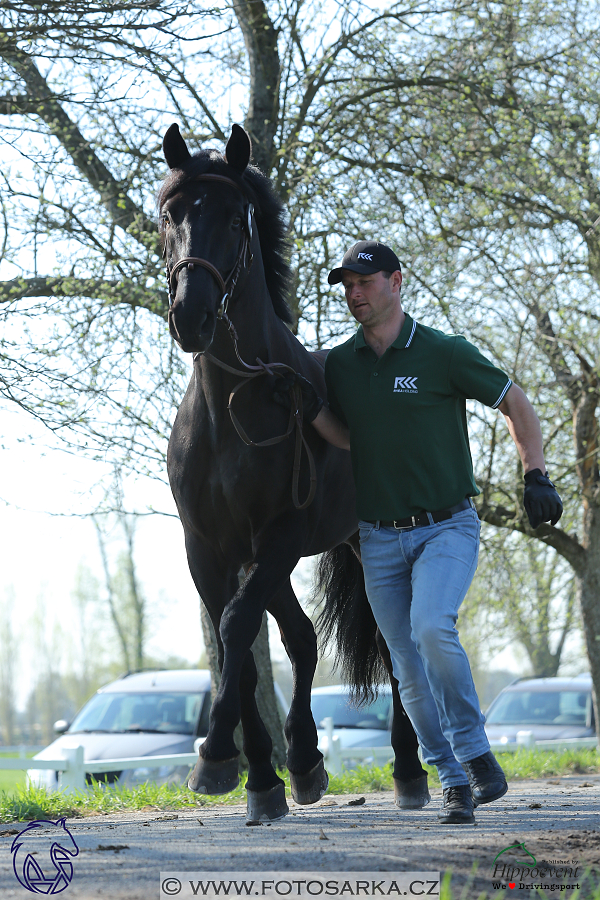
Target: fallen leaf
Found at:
x=358, y=802
x=322, y=835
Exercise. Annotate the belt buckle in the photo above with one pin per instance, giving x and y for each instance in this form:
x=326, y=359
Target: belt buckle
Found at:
x=396, y=526
x=413, y=518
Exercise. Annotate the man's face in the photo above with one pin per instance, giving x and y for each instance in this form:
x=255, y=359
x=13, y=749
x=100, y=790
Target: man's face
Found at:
x=372, y=299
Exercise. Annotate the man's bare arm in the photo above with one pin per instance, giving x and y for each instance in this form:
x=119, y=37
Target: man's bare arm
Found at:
x=524, y=427
x=331, y=429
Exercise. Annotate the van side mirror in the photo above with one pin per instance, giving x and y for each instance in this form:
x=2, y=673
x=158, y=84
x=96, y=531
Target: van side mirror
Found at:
x=61, y=726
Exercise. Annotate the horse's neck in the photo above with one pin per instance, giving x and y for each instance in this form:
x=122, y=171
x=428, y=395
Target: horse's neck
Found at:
x=256, y=329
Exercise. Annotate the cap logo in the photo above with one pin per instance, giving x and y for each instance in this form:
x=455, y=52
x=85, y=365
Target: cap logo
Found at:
x=365, y=256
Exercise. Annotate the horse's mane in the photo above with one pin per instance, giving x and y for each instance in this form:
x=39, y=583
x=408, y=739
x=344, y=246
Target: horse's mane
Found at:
x=269, y=214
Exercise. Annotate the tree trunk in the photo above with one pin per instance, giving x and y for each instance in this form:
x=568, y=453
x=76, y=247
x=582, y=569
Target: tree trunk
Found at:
x=260, y=38
x=8, y=667
x=137, y=599
x=588, y=584
x=265, y=691
x=268, y=706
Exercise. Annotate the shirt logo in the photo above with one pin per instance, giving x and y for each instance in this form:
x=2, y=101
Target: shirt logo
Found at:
x=365, y=256
x=406, y=384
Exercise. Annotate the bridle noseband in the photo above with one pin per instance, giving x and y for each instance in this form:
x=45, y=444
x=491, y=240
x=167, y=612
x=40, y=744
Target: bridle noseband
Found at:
x=244, y=258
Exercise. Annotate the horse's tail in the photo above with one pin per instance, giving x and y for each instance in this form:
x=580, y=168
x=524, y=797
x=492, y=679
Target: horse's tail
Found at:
x=347, y=620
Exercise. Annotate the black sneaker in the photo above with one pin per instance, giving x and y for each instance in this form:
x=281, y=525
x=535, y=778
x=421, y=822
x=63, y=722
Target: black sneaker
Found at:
x=486, y=778
x=458, y=806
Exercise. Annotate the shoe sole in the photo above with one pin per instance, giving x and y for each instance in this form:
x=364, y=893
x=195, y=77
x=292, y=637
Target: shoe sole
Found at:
x=450, y=821
x=491, y=799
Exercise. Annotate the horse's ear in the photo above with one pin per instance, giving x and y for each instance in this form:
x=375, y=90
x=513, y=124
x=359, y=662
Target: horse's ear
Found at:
x=238, y=149
x=175, y=148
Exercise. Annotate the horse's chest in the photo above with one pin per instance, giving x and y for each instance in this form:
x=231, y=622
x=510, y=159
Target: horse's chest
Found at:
x=216, y=480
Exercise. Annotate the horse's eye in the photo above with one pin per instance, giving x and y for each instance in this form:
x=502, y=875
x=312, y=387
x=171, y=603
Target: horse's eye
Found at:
x=237, y=221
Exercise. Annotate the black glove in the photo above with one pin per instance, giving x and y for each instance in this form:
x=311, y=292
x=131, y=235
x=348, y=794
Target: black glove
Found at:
x=540, y=499
x=311, y=402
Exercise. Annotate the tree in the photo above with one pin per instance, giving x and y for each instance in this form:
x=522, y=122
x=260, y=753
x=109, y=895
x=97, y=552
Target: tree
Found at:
x=523, y=593
x=8, y=666
x=124, y=595
x=467, y=133
x=84, y=347
x=491, y=155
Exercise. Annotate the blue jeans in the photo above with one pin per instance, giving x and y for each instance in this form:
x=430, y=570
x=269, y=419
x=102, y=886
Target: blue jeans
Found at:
x=416, y=579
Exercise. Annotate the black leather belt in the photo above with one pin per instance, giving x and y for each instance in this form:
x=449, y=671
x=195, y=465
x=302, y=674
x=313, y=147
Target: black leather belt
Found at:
x=422, y=519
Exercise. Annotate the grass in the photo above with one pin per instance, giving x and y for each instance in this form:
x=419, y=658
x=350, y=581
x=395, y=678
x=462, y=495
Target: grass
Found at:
x=22, y=803
x=589, y=890
x=10, y=779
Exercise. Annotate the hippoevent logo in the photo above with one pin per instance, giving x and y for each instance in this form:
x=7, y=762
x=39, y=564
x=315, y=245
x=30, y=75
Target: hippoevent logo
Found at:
x=42, y=855
x=516, y=868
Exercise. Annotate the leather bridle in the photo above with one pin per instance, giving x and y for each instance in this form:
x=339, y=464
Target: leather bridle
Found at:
x=244, y=258
x=227, y=286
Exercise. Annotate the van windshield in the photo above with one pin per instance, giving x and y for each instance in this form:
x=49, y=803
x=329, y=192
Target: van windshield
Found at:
x=337, y=706
x=176, y=713
x=540, y=708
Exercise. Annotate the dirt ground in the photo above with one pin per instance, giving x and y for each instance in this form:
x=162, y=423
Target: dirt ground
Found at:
x=557, y=820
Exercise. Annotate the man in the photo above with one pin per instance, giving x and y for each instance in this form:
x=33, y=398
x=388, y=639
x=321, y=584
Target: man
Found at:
x=396, y=393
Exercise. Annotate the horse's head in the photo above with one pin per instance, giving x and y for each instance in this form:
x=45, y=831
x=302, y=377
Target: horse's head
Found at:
x=206, y=220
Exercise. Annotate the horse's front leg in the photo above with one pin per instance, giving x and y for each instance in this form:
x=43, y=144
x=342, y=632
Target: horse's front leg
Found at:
x=410, y=778
x=216, y=583
x=276, y=552
x=308, y=778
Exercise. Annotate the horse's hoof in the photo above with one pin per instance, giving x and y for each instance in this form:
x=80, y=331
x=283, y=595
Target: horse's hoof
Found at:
x=266, y=806
x=310, y=787
x=214, y=776
x=413, y=794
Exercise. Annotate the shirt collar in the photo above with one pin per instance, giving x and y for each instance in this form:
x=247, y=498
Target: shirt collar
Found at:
x=403, y=340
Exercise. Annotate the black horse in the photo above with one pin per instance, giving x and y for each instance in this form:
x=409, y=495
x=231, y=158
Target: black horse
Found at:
x=224, y=241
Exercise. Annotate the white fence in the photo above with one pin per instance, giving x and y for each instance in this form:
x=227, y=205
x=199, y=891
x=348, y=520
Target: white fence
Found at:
x=72, y=767
x=336, y=756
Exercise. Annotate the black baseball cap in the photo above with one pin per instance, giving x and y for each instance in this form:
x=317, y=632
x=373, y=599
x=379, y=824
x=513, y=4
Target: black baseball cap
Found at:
x=366, y=258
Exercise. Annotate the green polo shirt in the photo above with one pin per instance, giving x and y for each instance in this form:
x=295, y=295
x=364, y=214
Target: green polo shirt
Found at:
x=407, y=417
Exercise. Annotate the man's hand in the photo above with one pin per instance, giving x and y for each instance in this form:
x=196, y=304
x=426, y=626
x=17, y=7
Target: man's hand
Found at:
x=311, y=402
x=540, y=499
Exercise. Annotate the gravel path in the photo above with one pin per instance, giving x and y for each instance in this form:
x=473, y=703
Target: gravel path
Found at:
x=121, y=856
